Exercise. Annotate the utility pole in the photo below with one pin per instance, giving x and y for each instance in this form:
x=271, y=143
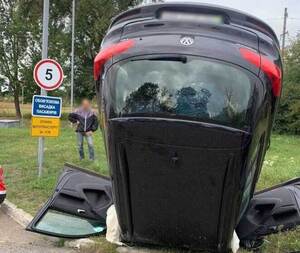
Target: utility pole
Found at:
x=43, y=92
x=284, y=33
x=72, y=55
x=22, y=94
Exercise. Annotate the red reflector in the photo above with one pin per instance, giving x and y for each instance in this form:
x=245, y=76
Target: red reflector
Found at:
x=107, y=53
x=267, y=66
x=251, y=56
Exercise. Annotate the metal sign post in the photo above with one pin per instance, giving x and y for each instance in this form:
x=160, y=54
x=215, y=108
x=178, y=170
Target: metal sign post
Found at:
x=43, y=92
x=48, y=75
x=72, y=55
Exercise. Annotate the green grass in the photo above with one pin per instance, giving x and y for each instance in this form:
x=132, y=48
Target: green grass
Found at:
x=19, y=158
x=282, y=161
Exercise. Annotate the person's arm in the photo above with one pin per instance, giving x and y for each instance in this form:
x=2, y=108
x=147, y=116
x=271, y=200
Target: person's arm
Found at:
x=73, y=118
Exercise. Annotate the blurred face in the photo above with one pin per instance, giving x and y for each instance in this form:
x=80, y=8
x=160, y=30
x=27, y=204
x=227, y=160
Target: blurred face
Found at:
x=85, y=104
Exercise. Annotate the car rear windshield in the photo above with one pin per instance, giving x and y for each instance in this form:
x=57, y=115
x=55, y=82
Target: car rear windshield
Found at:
x=182, y=87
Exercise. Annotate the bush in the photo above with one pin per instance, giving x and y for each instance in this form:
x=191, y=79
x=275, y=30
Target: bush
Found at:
x=288, y=116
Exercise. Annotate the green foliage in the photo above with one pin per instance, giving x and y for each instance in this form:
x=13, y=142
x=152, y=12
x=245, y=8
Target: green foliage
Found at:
x=20, y=41
x=288, y=116
x=92, y=20
x=13, y=46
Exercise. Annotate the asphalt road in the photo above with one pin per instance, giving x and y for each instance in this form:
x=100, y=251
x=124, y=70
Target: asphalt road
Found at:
x=14, y=239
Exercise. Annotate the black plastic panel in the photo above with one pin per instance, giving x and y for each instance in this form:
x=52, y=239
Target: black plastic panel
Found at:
x=270, y=211
x=175, y=187
x=80, y=193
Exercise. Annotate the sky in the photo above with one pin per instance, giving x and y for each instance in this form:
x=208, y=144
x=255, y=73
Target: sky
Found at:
x=270, y=11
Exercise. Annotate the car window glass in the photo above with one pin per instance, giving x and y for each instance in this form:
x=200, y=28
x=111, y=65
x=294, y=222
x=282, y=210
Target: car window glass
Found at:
x=55, y=222
x=200, y=89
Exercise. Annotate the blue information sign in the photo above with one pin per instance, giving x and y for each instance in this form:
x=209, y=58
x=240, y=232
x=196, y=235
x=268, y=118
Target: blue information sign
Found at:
x=44, y=106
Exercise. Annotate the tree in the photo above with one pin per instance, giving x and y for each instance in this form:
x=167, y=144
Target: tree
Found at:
x=59, y=45
x=92, y=20
x=13, y=45
x=20, y=41
x=288, y=116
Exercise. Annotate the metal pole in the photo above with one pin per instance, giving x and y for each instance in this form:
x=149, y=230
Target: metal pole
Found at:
x=72, y=55
x=43, y=92
x=284, y=33
x=22, y=95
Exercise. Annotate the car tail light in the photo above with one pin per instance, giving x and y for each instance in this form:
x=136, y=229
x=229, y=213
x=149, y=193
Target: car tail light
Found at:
x=267, y=66
x=107, y=53
x=2, y=185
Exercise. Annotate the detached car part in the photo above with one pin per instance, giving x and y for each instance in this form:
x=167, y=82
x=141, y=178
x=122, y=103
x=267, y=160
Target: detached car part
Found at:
x=272, y=210
x=78, y=206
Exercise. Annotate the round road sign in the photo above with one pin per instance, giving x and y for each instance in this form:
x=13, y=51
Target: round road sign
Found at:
x=48, y=74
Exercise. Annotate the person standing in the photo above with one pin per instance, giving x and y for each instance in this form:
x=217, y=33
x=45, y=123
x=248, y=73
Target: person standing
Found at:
x=86, y=123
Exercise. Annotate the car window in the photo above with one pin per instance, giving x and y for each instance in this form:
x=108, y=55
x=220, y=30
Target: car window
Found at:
x=58, y=223
x=196, y=88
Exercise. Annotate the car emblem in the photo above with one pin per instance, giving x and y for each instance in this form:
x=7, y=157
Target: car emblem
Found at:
x=187, y=41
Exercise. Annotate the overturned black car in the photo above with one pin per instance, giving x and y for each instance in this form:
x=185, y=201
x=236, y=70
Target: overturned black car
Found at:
x=187, y=97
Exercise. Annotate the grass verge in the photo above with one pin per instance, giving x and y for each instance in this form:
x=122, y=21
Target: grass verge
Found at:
x=19, y=158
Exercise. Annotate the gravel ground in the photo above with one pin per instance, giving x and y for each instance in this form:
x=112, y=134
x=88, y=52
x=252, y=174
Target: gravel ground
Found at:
x=14, y=239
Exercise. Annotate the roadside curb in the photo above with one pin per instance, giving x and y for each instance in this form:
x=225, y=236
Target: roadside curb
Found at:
x=83, y=243
x=137, y=250
x=17, y=214
x=23, y=218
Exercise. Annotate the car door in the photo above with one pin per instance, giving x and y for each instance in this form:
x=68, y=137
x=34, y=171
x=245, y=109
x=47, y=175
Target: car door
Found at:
x=270, y=211
x=77, y=207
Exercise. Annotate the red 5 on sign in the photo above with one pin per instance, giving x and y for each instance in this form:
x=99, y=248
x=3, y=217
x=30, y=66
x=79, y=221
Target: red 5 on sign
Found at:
x=48, y=74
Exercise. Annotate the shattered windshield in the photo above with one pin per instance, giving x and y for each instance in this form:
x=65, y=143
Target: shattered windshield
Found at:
x=188, y=87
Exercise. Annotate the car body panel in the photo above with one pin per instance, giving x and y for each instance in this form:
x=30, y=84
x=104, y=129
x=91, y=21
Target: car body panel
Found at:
x=175, y=155
x=271, y=210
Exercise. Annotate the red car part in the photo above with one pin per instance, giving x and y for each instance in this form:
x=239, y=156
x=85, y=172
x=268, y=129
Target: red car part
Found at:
x=107, y=53
x=273, y=72
x=2, y=185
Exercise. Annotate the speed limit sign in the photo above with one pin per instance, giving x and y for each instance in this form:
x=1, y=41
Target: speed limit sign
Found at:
x=48, y=74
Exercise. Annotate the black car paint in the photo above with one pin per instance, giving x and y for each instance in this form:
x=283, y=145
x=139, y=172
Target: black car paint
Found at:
x=146, y=209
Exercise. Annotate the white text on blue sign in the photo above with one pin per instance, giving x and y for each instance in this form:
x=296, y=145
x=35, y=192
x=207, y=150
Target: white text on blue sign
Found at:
x=45, y=106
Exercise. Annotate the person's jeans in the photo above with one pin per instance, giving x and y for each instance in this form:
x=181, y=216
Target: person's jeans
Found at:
x=89, y=139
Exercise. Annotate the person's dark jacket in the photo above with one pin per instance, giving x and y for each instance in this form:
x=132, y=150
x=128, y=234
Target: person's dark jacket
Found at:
x=87, y=120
